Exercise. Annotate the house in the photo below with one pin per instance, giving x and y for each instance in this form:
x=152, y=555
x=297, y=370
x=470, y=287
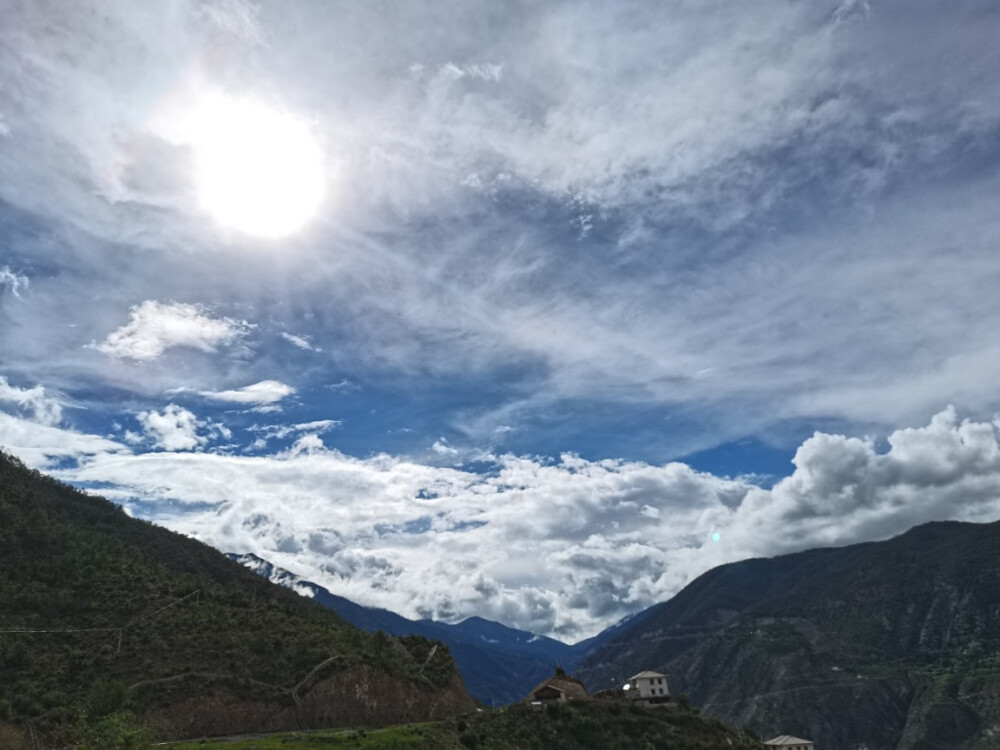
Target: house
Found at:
x=557, y=689
x=787, y=742
x=648, y=687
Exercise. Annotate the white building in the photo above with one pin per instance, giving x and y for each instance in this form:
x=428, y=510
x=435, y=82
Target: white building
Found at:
x=787, y=742
x=649, y=687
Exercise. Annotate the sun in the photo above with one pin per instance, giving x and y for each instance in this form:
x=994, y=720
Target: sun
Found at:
x=259, y=170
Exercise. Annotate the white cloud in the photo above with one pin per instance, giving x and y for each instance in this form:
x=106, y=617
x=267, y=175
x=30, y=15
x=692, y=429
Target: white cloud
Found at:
x=308, y=445
x=14, y=281
x=309, y=431
x=177, y=429
x=264, y=392
x=300, y=341
x=154, y=327
x=39, y=445
x=43, y=409
x=344, y=386
x=316, y=427
x=842, y=489
x=441, y=447
x=563, y=547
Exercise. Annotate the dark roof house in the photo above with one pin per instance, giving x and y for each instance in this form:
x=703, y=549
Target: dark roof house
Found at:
x=557, y=689
x=788, y=742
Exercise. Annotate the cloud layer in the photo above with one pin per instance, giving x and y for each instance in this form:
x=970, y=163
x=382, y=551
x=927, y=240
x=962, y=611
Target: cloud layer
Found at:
x=553, y=232
x=563, y=547
x=741, y=217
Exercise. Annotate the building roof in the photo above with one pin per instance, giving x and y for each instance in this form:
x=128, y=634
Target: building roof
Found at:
x=571, y=686
x=645, y=675
x=787, y=739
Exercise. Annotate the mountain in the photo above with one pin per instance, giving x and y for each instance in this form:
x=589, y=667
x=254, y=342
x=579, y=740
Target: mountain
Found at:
x=663, y=631
x=893, y=645
x=499, y=664
x=99, y=612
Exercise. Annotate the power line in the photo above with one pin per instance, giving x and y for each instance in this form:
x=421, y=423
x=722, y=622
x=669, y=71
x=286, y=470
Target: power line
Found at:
x=121, y=631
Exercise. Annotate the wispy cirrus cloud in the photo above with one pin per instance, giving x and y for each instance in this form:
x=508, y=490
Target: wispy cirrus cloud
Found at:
x=39, y=445
x=729, y=158
x=14, y=281
x=300, y=341
x=317, y=426
x=43, y=408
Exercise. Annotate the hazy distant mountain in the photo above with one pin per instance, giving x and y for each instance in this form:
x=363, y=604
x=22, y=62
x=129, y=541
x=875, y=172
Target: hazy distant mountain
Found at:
x=499, y=664
x=894, y=645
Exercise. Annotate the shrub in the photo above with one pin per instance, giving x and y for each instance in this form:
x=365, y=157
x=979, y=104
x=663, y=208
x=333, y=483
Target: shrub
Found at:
x=117, y=731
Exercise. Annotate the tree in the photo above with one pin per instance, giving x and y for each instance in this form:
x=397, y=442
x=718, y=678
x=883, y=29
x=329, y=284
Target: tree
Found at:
x=106, y=697
x=117, y=731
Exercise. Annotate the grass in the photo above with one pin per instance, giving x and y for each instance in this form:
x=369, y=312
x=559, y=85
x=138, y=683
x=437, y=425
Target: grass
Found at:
x=410, y=736
x=590, y=724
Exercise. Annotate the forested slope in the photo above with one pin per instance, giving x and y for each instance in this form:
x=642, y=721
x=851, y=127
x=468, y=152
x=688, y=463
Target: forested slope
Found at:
x=99, y=611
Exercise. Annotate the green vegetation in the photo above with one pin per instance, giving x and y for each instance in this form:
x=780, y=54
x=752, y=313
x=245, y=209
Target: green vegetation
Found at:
x=570, y=726
x=887, y=644
x=118, y=731
x=102, y=614
x=113, y=630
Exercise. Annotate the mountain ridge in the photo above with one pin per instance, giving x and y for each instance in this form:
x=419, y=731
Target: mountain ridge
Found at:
x=499, y=664
x=893, y=644
x=94, y=603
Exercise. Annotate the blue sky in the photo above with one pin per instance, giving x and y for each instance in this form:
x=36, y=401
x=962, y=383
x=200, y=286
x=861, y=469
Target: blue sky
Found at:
x=584, y=284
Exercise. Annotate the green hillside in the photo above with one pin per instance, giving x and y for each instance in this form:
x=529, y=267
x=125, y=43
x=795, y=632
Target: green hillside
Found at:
x=894, y=645
x=101, y=612
x=585, y=725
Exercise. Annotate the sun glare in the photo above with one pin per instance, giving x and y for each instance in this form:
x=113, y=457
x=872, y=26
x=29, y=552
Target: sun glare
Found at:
x=259, y=170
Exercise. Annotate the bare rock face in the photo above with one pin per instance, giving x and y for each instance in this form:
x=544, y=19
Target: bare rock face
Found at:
x=222, y=712
x=363, y=696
